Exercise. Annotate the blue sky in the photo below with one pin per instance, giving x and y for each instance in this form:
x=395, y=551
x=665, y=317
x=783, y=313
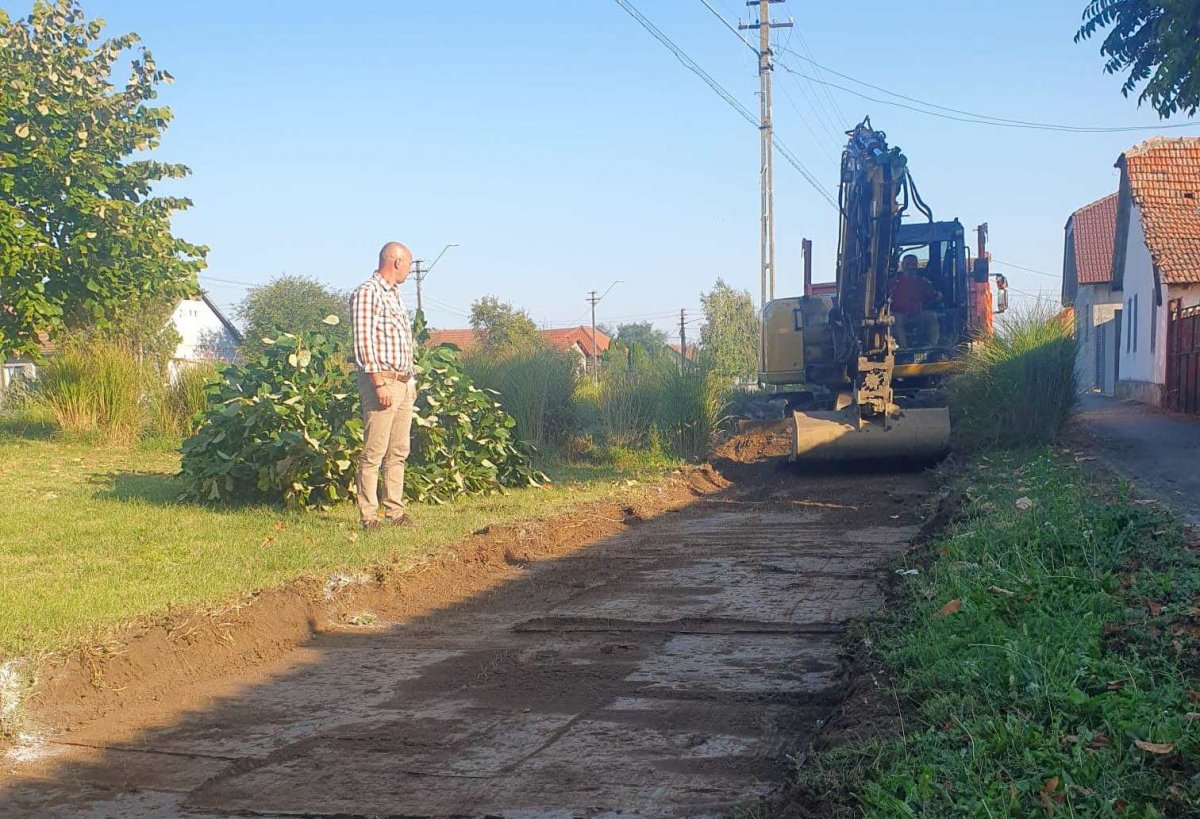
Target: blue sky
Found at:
x=563, y=148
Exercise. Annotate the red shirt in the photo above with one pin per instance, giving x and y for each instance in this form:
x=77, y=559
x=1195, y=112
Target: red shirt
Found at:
x=910, y=294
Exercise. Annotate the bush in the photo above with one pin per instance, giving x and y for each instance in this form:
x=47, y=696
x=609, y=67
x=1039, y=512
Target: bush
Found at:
x=286, y=427
x=100, y=386
x=1018, y=387
x=537, y=383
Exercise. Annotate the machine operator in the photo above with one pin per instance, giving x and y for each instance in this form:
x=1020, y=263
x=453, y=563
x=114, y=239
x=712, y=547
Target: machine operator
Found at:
x=913, y=297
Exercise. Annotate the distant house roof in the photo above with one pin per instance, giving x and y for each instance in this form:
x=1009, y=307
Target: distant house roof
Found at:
x=462, y=340
x=1092, y=228
x=691, y=351
x=823, y=289
x=229, y=325
x=1162, y=176
x=565, y=338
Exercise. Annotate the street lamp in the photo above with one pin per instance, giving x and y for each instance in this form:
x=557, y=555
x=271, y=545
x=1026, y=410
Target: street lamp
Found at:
x=421, y=274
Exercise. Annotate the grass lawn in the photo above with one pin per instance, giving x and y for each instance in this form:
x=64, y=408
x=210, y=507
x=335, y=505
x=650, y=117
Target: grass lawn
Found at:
x=93, y=536
x=1046, y=660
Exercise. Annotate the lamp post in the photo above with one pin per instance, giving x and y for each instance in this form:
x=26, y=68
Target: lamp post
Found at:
x=593, y=299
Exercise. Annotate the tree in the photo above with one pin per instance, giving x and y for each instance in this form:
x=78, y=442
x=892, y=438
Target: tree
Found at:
x=729, y=335
x=637, y=345
x=292, y=304
x=82, y=239
x=499, y=325
x=1154, y=41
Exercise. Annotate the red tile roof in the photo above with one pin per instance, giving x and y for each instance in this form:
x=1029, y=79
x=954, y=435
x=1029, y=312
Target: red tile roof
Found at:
x=565, y=338
x=569, y=336
x=462, y=339
x=1093, y=227
x=691, y=351
x=1164, y=180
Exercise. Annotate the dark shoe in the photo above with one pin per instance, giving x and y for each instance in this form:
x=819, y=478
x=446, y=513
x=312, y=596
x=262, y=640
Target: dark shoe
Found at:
x=371, y=525
x=402, y=520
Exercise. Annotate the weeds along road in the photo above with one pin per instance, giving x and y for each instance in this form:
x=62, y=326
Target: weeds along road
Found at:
x=666, y=670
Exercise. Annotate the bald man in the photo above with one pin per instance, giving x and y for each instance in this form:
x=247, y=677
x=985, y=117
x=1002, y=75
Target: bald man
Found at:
x=383, y=351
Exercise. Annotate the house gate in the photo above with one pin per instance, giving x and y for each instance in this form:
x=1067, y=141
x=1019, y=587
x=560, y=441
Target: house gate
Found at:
x=1183, y=358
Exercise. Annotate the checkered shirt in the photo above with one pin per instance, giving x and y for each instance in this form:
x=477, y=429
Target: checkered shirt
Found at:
x=383, y=339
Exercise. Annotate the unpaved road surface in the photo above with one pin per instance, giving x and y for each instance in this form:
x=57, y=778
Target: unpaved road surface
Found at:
x=664, y=671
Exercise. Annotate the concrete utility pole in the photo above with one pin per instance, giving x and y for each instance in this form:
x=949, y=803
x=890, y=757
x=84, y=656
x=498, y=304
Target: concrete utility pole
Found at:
x=682, y=340
x=766, y=148
x=593, y=300
x=419, y=275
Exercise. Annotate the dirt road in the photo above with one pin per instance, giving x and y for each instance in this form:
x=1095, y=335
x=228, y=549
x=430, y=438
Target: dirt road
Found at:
x=666, y=670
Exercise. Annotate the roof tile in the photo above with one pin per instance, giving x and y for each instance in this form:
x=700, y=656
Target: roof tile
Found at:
x=1164, y=180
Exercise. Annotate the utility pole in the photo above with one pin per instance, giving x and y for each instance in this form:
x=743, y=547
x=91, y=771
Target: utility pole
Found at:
x=766, y=150
x=682, y=340
x=419, y=275
x=593, y=300
x=806, y=252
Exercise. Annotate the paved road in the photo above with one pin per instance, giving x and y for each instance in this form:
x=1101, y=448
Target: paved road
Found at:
x=665, y=671
x=1159, y=450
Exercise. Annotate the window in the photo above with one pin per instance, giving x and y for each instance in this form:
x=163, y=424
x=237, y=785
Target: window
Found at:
x=1129, y=326
x=1135, y=321
x=1153, y=323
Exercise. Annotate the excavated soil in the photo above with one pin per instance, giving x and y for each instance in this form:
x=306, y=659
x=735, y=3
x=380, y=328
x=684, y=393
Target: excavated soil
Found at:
x=655, y=658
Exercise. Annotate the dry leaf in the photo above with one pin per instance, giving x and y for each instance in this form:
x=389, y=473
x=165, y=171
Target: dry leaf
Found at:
x=266, y=541
x=352, y=536
x=998, y=590
x=1050, y=786
x=1154, y=747
x=1069, y=739
x=1024, y=504
x=1099, y=740
x=1154, y=608
x=279, y=526
x=1192, y=716
x=952, y=607
x=1118, y=684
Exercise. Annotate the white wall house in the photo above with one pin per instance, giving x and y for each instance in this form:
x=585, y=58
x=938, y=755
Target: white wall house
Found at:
x=1087, y=287
x=1156, y=257
x=205, y=334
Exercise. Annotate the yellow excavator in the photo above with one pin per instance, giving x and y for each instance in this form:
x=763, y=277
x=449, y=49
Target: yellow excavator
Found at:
x=860, y=370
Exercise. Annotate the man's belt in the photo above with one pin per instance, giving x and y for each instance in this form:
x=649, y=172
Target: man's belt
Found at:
x=401, y=377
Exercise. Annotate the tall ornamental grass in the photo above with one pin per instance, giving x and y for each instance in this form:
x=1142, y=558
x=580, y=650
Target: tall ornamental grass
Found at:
x=536, y=384
x=177, y=404
x=1017, y=387
x=98, y=387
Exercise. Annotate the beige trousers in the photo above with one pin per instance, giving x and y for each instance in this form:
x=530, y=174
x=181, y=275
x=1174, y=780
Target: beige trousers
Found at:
x=386, y=444
x=926, y=323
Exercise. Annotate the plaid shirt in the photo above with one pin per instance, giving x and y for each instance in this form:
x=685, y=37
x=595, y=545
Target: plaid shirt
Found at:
x=383, y=339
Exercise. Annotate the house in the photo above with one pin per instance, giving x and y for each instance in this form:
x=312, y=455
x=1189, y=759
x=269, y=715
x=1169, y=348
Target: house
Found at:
x=205, y=335
x=1156, y=269
x=1087, y=286
x=578, y=340
x=688, y=355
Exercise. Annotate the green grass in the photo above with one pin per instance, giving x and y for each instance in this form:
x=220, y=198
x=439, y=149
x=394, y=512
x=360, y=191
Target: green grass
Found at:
x=1018, y=387
x=92, y=536
x=1075, y=635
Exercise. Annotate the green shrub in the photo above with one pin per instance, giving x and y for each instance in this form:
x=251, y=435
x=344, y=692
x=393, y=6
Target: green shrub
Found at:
x=537, y=383
x=286, y=427
x=1018, y=387
x=98, y=386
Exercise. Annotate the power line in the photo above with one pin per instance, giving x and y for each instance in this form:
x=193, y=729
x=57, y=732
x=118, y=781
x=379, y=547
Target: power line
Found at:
x=729, y=99
x=968, y=116
x=1026, y=269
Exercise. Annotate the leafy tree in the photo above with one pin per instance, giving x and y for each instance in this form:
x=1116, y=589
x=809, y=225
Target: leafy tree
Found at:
x=297, y=304
x=729, y=335
x=1156, y=42
x=499, y=325
x=82, y=239
x=638, y=345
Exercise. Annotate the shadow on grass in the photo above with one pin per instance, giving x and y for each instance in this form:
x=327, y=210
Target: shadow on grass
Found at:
x=146, y=487
x=20, y=426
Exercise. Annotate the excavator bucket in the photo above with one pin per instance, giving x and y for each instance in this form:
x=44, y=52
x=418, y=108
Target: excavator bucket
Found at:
x=921, y=434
